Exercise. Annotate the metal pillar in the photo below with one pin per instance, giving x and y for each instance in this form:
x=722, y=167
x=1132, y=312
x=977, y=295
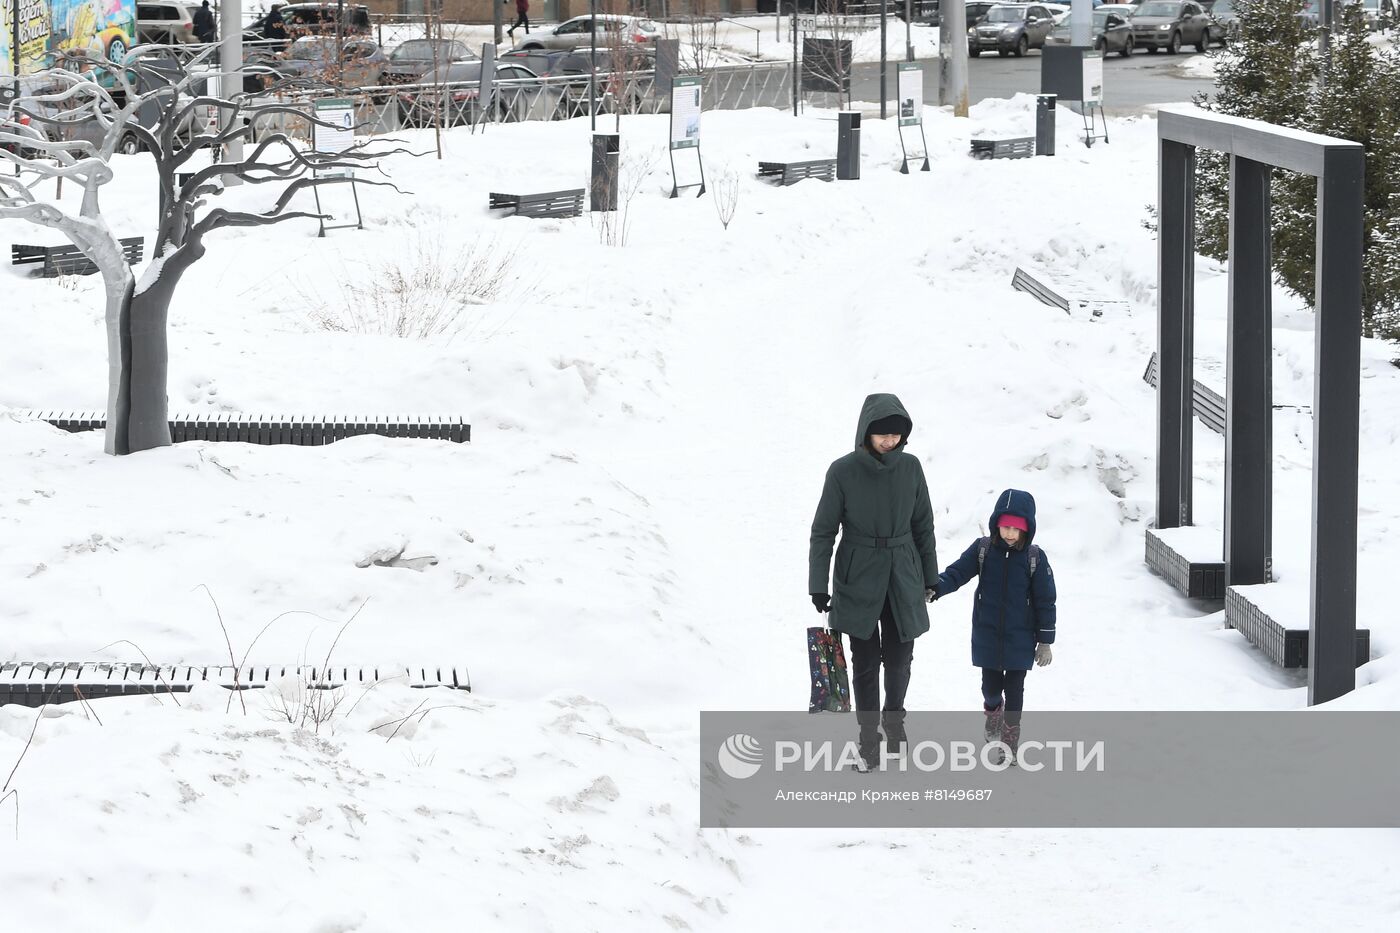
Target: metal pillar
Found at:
x=1336, y=426
x=1249, y=380
x=1045, y=125
x=602, y=194
x=884, y=56
x=1175, y=340
x=847, y=145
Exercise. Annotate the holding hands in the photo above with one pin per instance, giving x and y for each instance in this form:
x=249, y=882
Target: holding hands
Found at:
x=1043, y=655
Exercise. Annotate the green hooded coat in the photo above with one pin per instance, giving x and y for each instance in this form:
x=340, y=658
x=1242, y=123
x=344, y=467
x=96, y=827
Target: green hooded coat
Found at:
x=881, y=506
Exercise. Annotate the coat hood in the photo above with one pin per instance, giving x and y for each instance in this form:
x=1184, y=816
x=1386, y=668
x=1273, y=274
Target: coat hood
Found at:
x=877, y=406
x=1014, y=502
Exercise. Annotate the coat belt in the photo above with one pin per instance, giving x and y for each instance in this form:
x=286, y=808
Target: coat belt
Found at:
x=863, y=541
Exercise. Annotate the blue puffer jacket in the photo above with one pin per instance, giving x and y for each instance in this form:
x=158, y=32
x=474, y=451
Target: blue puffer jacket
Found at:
x=1011, y=611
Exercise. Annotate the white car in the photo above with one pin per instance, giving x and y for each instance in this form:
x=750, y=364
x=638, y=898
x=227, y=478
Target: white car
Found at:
x=1059, y=12
x=576, y=33
x=165, y=22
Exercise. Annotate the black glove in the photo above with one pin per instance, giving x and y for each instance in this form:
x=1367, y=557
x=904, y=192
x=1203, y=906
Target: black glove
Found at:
x=822, y=602
x=930, y=593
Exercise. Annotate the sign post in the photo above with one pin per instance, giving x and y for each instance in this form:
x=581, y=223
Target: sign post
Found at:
x=1092, y=98
x=685, y=127
x=332, y=133
x=911, y=109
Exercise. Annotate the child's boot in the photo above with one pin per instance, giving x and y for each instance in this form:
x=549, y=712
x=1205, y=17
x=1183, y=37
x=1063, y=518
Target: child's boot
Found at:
x=992, y=727
x=1011, y=737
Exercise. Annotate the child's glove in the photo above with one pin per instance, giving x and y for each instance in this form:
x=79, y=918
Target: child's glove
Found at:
x=1043, y=655
x=930, y=593
x=821, y=601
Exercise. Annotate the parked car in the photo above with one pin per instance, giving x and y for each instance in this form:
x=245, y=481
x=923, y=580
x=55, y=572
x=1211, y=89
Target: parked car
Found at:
x=1110, y=31
x=32, y=117
x=577, y=32
x=166, y=22
x=1011, y=28
x=355, y=62
x=318, y=19
x=1059, y=12
x=976, y=9
x=1170, y=24
x=972, y=9
x=1223, y=12
x=416, y=57
x=457, y=99
x=1125, y=10
x=620, y=81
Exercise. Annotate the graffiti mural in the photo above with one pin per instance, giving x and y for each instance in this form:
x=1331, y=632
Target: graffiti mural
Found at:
x=93, y=29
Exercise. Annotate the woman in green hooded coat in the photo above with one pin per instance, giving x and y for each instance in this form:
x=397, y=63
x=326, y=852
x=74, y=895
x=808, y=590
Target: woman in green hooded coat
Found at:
x=886, y=565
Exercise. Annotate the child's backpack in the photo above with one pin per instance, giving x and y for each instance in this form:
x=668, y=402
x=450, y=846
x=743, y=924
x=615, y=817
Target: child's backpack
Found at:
x=1032, y=553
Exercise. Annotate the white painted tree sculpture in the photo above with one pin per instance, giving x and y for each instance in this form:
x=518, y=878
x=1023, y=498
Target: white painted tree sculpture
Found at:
x=37, y=139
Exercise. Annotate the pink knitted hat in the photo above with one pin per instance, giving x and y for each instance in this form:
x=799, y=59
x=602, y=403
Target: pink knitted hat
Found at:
x=1013, y=521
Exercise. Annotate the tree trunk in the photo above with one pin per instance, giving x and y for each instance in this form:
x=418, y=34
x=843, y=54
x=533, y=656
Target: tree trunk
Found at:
x=145, y=358
x=119, y=291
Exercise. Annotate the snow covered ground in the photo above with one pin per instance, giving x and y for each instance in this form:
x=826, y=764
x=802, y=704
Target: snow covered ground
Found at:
x=624, y=544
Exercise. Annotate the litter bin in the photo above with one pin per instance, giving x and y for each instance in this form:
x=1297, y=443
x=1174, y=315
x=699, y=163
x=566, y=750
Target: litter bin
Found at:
x=848, y=145
x=602, y=194
x=1045, y=124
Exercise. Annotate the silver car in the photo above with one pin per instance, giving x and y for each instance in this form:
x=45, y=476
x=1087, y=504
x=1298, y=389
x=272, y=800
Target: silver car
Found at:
x=166, y=22
x=577, y=33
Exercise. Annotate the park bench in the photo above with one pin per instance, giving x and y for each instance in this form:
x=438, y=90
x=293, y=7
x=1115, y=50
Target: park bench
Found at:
x=280, y=429
x=1189, y=575
x=1016, y=147
x=790, y=173
x=68, y=259
x=35, y=683
x=1064, y=292
x=567, y=203
x=1208, y=404
x=1287, y=647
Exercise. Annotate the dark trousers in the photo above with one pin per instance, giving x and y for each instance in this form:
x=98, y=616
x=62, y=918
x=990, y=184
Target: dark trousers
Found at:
x=868, y=655
x=1005, y=686
x=521, y=20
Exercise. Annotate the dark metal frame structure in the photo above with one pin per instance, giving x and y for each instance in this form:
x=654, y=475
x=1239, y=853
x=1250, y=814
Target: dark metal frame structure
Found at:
x=1253, y=148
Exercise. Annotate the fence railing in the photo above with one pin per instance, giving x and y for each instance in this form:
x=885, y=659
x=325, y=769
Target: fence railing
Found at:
x=390, y=108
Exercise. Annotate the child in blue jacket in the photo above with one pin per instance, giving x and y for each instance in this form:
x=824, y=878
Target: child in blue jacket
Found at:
x=1013, y=613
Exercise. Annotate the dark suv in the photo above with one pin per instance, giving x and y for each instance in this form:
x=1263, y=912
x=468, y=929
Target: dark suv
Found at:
x=1010, y=29
x=319, y=19
x=1170, y=24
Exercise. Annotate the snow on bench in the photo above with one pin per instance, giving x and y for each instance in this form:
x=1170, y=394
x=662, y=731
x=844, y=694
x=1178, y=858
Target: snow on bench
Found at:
x=1191, y=559
x=1274, y=617
x=1070, y=293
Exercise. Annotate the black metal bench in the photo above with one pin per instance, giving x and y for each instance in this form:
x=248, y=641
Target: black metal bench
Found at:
x=280, y=429
x=68, y=259
x=1016, y=147
x=568, y=203
x=1208, y=404
x=790, y=173
x=36, y=683
x=1197, y=580
x=1284, y=646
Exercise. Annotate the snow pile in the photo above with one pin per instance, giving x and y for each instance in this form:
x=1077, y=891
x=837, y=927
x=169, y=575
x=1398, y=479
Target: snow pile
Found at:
x=623, y=543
